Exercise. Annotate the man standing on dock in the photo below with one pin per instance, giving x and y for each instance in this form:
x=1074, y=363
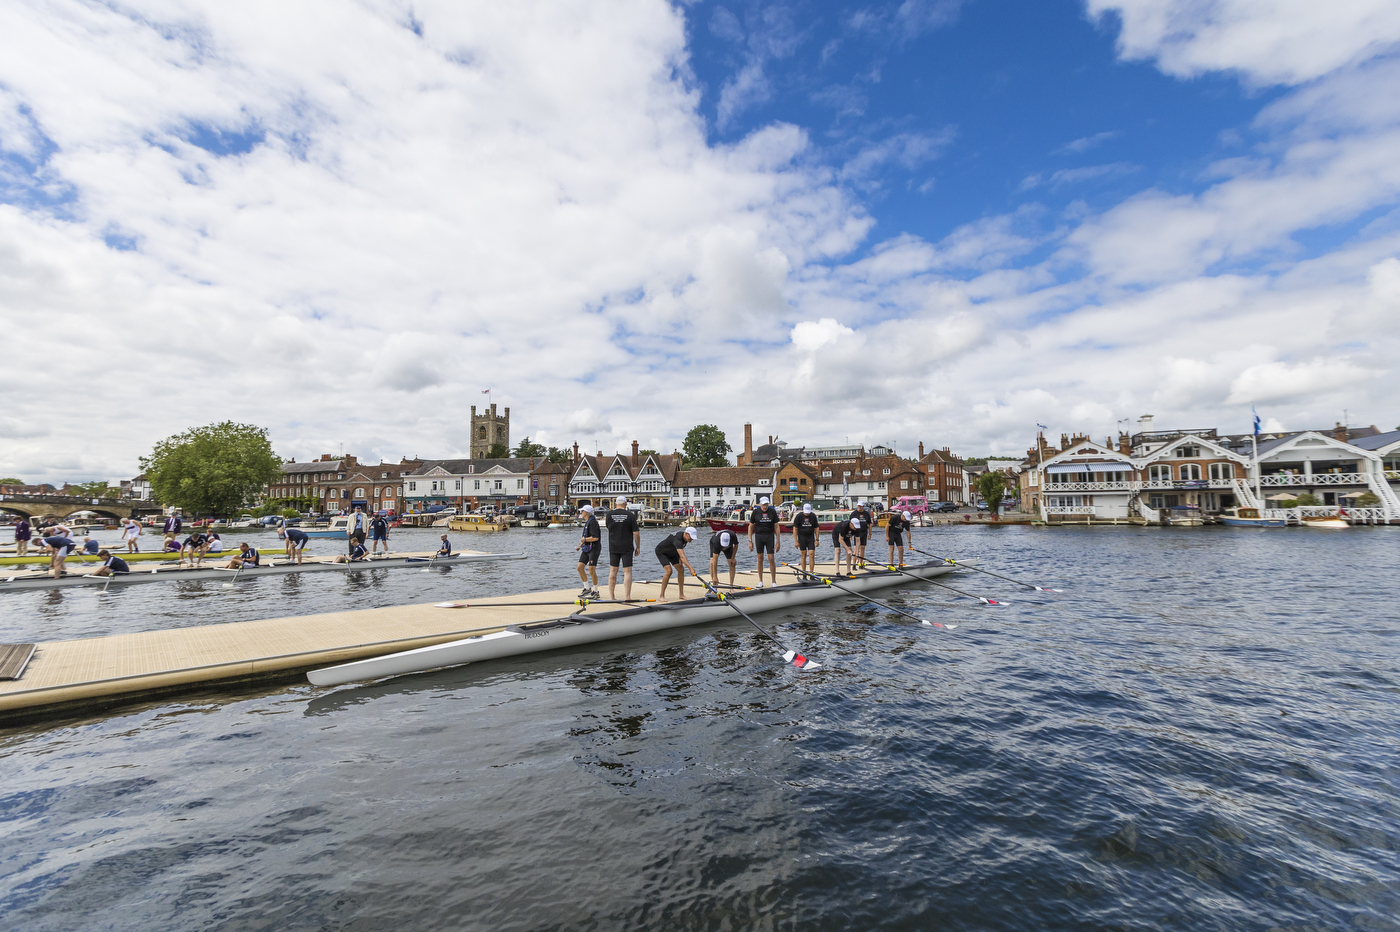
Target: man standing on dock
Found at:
x=23, y=532
x=379, y=533
x=842, y=537
x=589, y=546
x=763, y=531
x=671, y=553
x=173, y=524
x=624, y=542
x=894, y=534
x=805, y=525
x=356, y=531
x=860, y=530
x=130, y=532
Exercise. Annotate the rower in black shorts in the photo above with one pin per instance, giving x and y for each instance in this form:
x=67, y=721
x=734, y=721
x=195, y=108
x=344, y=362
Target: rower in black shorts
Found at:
x=843, y=538
x=624, y=541
x=727, y=543
x=804, y=537
x=671, y=553
x=860, y=531
x=589, y=546
x=763, y=531
x=894, y=534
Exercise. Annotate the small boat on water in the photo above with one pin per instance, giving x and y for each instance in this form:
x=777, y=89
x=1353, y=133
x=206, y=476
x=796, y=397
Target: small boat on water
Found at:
x=579, y=628
x=533, y=518
x=1185, y=516
x=1248, y=517
x=651, y=517
x=1325, y=522
x=339, y=527
x=475, y=523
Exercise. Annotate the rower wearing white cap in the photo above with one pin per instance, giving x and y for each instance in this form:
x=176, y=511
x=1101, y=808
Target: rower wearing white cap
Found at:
x=894, y=533
x=671, y=553
x=763, y=531
x=589, y=546
x=727, y=543
x=860, y=531
x=804, y=537
x=624, y=541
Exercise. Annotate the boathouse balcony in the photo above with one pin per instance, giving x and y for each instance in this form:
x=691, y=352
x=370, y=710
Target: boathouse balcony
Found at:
x=1317, y=478
x=1091, y=486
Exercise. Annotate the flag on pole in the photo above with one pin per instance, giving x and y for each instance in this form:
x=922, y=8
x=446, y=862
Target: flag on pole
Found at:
x=486, y=391
x=1256, y=420
x=1041, y=426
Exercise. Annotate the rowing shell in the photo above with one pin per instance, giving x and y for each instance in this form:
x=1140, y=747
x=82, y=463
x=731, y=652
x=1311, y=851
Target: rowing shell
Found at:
x=166, y=574
x=576, y=629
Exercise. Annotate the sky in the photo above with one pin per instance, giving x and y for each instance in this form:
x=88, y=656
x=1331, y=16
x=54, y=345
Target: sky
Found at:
x=937, y=221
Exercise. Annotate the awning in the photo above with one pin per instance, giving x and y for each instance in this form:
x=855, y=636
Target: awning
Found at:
x=1090, y=467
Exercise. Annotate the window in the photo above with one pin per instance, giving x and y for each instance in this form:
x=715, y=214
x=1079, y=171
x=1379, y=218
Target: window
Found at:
x=340, y=475
x=376, y=491
x=882, y=485
x=865, y=472
x=1190, y=471
x=904, y=483
x=413, y=487
x=826, y=473
x=476, y=483
x=887, y=472
x=1222, y=470
x=333, y=493
x=520, y=483
x=383, y=475
x=1159, y=473
x=457, y=484
x=1188, y=451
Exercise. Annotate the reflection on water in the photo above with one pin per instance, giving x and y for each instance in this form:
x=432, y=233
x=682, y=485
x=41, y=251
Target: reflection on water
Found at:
x=1201, y=733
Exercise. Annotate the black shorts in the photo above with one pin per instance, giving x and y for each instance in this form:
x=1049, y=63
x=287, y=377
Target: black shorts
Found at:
x=589, y=555
x=380, y=535
x=837, y=540
x=861, y=536
x=895, y=538
x=620, y=559
x=716, y=549
x=764, y=543
x=806, y=542
x=668, y=558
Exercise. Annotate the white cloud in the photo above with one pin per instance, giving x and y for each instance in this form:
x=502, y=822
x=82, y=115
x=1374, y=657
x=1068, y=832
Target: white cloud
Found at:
x=1282, y=381
x=1085, y=143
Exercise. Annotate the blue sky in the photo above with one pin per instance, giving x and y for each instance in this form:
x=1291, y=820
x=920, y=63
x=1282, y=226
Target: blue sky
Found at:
x=922, y=221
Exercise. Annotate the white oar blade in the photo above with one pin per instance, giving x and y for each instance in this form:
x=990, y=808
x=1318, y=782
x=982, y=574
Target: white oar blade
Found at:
x=800, y=662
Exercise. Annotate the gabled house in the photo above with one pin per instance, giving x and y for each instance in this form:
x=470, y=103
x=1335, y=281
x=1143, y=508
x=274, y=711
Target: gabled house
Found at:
x=1086, y=481
x=1193, y=470
x=645, y=478
x=1334, y=470
x=467, y=485
x=723, y=486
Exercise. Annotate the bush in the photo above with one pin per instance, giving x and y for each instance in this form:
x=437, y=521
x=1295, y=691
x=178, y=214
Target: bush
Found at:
x=1307, y=498
x=1368, y=500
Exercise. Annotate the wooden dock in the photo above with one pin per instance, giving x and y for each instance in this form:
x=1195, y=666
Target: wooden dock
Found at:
x=125, y=667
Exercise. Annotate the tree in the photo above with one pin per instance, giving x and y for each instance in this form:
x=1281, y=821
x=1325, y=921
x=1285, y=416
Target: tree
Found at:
x=991, y=486
x=527, y=449
x=1367, y=500
x=562, y=457
x=1307, y=498
x=213, y=469
x=94, y=490
x=11, y=480
x=647, y=453
x=705, y=445
x=498, y=451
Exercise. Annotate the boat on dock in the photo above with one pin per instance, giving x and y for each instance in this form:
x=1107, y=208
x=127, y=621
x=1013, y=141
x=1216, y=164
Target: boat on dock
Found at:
x=579, y=628
x=1248, y=517
x=31, y=580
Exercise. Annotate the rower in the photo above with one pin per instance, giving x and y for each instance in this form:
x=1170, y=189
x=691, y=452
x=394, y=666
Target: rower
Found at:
x=763, y=531
x=727, y=543
x=195, y=544
x=842, y=537
x=247, y=556
x=446, y=549
x=894, y=534
x=296, y=542
x=379, y=533
x=671, y=553
x=357, y=553
x=804, y=537
x=624, y=541
x=589, y=546
x=111, y=565
x=860, y=530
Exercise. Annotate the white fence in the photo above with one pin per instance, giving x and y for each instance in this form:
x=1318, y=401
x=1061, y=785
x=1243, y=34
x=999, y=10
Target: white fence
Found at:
x=1070, y=510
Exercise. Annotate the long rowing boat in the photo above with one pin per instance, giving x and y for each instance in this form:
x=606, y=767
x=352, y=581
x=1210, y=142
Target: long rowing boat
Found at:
x=20, y=582
x=577, y=628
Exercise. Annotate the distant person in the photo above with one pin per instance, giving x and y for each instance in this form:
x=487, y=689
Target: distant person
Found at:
x=23, y=532
x=805, y=525
x=111, y=565
x=90, y=546
x=246, y=556
x=173, y=526
x=130, y=532
x=590, y=544
x=446, y=549
x=358, y=525
x=671, y=553
x=727, y=543
x=296, y=540
x=379, y=533
x=763, y=534
x=843, y=539
x=215, y=543
x=624, y=541
x=894, y=534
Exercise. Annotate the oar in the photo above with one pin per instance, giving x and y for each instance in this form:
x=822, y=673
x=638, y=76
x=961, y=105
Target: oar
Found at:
x=583, y=602
x=861, y=595
x=789, y=655
x=969, y=566
x=969, y=595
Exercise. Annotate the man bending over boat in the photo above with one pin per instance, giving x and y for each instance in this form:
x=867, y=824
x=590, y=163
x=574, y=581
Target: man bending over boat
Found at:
x=195, y=544
x=624, y=542
x=589, y=546
x=843, y=536
x=671, y=553
x=727, y=543
x=296, y=540
x=111, y=565
x=247, y=556
x=805, y=525
x=894, y=534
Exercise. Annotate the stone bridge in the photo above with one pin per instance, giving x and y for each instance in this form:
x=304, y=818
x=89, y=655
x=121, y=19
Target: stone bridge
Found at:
x=61, y=506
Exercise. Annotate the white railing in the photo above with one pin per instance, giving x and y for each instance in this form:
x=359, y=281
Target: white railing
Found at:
x=1187, y=485
x=1070, y=510
x=1317, y=478
x=1056, y=487
x=1354, y=515
x=1245, y=493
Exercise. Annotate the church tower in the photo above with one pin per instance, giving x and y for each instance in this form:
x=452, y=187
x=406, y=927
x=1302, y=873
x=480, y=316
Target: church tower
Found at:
x=489, y=428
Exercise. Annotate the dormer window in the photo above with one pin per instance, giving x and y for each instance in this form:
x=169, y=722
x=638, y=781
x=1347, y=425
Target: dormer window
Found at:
x=1188, y=451
x=887, y=472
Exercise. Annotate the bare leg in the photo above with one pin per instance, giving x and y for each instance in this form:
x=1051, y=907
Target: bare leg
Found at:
x=593, y=572
x=665, y=578
x=733, y=566
x=627, y=583
x=772, y=568
x=714, y=568
x=612, y=583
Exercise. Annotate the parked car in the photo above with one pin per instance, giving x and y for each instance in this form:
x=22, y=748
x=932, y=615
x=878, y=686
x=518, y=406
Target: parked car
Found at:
x=981, y=506
x=944, y=507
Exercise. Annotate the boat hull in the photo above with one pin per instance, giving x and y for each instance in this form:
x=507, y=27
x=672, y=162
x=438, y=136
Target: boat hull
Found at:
x=575, y=630
x=1252, y=522
x=1326, y=524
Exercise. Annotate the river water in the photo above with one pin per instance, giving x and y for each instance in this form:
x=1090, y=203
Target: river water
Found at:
x=1202, y=732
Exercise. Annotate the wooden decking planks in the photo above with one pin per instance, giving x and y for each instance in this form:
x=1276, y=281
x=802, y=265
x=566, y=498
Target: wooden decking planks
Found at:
x=62, y=672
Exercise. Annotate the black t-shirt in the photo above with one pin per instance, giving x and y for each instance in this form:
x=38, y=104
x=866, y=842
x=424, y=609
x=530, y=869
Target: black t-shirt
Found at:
x=250, y=556
x=765, y=523
x=670, y=545
x=591, y=529
x=357, y=552
x=897, y=524
x=622, y=524
x=116, y=565
x=718, y=545
x=842, y=530
x=806, y=525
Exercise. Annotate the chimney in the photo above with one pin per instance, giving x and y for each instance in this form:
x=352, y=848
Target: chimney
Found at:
x=1064, y=441
x=635, y=456
x=770, y=440
x=1340, y=432
x=1123, y=443
x=748, y=444
x=947, y=451
x=921, y=449
x=575, y=451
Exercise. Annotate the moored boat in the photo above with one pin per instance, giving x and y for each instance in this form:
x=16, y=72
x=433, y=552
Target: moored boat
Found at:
x=1248, y=517
x=1325, y=522
x=475, y=523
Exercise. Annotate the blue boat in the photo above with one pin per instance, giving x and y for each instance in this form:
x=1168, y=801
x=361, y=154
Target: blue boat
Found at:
x=1249, y=517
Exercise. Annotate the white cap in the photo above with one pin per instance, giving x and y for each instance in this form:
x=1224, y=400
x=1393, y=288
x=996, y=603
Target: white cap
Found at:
x=588, y=508
x=855, y=523
x=621, y=500
x=908, y=516
x=807, y=507
x=763, y=501
x=691, y=533
x=861, y=502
